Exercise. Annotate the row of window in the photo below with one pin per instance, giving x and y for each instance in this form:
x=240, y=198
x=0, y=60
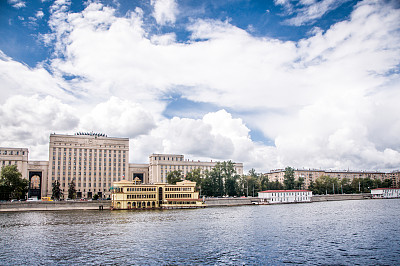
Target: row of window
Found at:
x=178, y=196
x=13, y=152
x=143, y=189
x=141, y=196
x=9, y=162
x=178, y=189
x=169, y=158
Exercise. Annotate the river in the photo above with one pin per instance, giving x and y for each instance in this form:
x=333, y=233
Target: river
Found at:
x=365, y=232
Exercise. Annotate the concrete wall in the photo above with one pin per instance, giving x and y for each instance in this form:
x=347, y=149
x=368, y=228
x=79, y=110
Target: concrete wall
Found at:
x=54, y=205
x=215, y=202
x=319, y=198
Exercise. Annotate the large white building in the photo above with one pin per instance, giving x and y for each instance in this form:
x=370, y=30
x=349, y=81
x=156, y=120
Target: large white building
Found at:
x=161, y=164
x=385, y=193
x=285, y=196
x=93, y=161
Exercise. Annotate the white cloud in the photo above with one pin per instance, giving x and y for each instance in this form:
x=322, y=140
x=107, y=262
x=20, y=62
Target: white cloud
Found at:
x=39, y=14
x=118, y=117
x=165, y=11
x=307, y=11
x=28, y=121
x=17, y=3
x=328, y=100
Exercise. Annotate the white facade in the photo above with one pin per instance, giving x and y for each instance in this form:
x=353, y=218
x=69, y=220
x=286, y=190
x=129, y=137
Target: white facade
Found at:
x=93, y=161
x=378, y=193
x=285, y=196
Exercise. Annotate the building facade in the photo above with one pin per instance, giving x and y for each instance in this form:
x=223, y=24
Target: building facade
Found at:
x=385, y=193
x=134, y=195
x=285, y=196
x=93, y=161
x=311, y=175
x=161, y=164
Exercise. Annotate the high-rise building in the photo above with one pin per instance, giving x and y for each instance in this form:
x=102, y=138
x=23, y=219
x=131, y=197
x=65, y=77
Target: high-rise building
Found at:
x=92, y=161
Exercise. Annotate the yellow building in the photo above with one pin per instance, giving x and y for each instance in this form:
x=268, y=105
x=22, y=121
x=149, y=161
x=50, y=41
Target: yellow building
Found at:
x=134, y=195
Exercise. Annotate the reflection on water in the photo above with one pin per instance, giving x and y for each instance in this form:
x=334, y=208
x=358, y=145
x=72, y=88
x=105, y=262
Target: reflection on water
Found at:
x=346, y=232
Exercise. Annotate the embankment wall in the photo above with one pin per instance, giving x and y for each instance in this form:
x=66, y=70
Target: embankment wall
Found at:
x=215, y=202
x=338, y=197
x=54, y=205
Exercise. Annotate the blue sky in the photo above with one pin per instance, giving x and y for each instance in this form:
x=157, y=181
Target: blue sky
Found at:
x=268, y=83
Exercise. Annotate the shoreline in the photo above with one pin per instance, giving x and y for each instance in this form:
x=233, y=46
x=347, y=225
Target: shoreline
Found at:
x=106, y=204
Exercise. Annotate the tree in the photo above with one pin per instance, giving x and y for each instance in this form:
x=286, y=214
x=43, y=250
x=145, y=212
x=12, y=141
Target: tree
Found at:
x=12, y=185
x=299, y=183
x=56, y=191
x=174, y=176
x=71, y=190
x=288, y=179
x=326, y=185
x=195, y=176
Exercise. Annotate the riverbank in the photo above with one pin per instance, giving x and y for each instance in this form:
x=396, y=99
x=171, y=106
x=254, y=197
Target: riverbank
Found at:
x=106, y=204
x=54, y=205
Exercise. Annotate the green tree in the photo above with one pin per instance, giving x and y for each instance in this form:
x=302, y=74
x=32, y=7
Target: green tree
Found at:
x=71, y=190
x=195, y=176
x=174, y=176
x=387, y=183
x=207, y=185
x=288, y=179
x=326, y=185
x=12, y=185
x=56, y=191
x=299, y=183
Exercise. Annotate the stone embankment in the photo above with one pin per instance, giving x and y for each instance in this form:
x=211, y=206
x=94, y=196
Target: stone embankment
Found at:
x=338, y=197
x=217, y=202
x=54, y=205
x=106, y=204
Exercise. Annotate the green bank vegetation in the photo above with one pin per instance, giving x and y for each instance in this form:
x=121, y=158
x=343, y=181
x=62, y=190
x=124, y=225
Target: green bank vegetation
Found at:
x=222, y=180
x=12, y=185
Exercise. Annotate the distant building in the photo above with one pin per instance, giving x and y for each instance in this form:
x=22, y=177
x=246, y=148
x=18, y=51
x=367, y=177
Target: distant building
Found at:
x=384, y=193
x=161, y=164
x=130, y=195
x=285, y=196
x=311, y=175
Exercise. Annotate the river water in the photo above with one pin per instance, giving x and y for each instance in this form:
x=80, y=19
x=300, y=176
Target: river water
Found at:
x=365, y=232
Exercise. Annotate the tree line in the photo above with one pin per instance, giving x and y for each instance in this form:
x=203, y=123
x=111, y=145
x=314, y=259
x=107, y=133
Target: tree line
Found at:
x=223, y=180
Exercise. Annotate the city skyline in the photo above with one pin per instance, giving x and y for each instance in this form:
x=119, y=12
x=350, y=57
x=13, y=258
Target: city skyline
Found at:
x=311, y=84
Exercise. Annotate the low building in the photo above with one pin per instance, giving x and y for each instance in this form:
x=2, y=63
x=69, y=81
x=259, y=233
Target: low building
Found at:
x=285, y=196
x=385, y=193
x=135, y=195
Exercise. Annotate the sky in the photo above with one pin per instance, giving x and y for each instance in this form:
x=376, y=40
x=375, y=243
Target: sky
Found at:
x=307, y=84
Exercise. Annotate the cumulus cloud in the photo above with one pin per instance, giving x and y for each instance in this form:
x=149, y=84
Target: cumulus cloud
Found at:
x=217, y=135
x=17, y=78
x=118, y=117
x=29, y=120
x=328, y=100
x=165, y=11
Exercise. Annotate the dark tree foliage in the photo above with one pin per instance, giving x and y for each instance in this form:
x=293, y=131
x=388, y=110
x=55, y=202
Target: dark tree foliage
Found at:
x=56, y=191
x=288, y=179
x=174, y=176
x=12, y=185
x=71, y=190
